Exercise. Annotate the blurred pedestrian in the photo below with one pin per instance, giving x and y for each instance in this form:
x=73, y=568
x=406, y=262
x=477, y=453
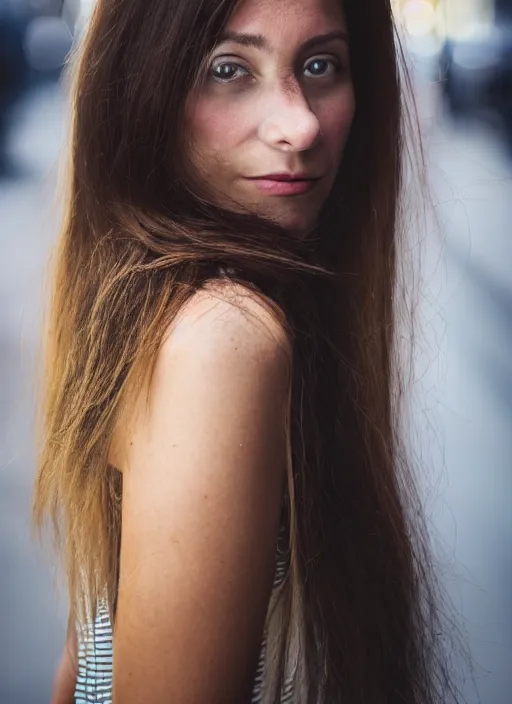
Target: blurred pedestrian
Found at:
x=13, y=72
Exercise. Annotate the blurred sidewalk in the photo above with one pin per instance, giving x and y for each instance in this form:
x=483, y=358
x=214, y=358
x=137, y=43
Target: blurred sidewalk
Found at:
x=32, y=618
x=463, y=397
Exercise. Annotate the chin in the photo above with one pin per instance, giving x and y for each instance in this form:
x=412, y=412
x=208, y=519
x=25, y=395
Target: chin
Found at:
x=296, y=219
x=298, y=223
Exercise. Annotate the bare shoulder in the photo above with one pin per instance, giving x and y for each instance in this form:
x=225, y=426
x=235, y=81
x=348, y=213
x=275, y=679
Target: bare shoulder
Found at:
x=226, y=349
x=226, y=317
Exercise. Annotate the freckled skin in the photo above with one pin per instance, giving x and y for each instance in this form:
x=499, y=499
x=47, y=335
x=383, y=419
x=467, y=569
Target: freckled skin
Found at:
x=275, y=115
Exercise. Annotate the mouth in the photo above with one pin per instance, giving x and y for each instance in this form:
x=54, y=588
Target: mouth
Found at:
x=285, y=184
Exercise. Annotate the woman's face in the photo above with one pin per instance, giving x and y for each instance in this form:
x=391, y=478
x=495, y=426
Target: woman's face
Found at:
x=268, y=125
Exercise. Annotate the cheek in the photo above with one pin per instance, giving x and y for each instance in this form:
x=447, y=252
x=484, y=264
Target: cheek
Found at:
x=335, y=118
x=213, y=128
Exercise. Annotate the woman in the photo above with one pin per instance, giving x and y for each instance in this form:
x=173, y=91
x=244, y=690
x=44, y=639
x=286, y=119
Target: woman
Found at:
x=220, y=450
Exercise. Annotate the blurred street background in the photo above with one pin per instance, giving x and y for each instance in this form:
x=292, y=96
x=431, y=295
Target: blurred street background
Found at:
x=460, y=52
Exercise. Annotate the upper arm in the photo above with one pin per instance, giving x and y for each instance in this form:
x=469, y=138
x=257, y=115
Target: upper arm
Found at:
x=202, y=487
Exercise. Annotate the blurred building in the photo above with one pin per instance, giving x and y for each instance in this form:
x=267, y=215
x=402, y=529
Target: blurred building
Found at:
x=444, y=17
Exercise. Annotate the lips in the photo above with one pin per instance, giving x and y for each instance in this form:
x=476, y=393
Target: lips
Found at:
x=285, y=184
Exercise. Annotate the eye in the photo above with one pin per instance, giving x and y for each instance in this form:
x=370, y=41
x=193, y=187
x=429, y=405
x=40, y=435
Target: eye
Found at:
x=320, y=68
x=227, y=71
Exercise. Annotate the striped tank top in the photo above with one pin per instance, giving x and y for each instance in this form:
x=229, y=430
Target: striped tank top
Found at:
x=94, y=681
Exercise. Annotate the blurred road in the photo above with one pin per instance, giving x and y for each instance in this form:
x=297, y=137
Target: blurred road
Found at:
x=463, y=401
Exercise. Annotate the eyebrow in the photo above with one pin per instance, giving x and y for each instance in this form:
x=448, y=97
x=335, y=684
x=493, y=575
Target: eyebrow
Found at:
x=258, y=41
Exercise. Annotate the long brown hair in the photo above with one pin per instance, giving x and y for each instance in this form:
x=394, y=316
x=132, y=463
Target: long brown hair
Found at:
x=135, y=245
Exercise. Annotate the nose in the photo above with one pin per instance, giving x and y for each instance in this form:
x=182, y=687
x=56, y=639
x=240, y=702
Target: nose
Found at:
x=290, y=125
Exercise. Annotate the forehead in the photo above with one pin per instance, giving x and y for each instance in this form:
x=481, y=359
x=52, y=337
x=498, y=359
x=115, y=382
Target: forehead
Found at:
x=297, y=19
